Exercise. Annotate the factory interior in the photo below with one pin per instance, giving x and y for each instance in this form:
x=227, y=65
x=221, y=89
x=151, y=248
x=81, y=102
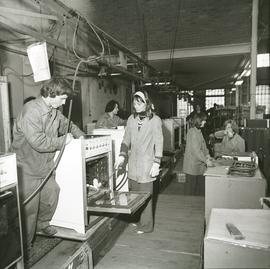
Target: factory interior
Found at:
x=134, y=134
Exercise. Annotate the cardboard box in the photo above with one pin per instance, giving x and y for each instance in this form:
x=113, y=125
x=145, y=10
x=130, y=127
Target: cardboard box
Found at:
x=235, y=192
x=221, y=250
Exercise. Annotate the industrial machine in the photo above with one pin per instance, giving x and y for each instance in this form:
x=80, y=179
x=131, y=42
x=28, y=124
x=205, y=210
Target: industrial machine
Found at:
x=172, y=133
x=85, y=176
x=68, y=255
x=117, y=135
x=11, y=252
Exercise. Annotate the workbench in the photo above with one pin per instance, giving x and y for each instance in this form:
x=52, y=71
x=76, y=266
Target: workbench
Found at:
x=232, y=191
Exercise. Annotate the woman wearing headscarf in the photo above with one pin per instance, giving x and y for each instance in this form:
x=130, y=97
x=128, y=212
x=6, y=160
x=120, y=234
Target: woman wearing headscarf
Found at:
x=142, y=145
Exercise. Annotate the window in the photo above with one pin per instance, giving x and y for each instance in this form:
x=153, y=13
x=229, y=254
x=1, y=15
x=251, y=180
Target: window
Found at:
x=214, y=96
x=184, y=107
x=263, y=97
x=263, y=60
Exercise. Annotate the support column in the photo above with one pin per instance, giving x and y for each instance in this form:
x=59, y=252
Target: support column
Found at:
x=253, y=77
x=237, y=96
x=5, y=128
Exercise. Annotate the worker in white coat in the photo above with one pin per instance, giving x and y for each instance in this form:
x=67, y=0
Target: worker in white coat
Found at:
x=143, y=147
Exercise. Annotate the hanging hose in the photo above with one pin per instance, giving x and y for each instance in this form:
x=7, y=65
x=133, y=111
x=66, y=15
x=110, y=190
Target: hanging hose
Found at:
x=45, y=180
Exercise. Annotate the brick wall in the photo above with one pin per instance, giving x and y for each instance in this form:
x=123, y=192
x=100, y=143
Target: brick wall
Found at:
x=201, y=22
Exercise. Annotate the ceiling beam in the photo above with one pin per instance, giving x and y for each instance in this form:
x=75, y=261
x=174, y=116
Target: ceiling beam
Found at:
x=111, y=39
x=19, y=28
x=221, y=50
x=20, y=12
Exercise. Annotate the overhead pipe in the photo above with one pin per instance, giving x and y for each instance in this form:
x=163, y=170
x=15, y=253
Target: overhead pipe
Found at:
x=109, y=37
x=6, y=48
x=26, y=31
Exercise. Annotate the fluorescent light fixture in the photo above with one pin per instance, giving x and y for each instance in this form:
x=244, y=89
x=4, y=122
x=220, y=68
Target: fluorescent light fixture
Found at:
x=238, y=82
x=236, y=75
x=247, y=73
x=115, y=74
x=164, y=83
x=157, y=83
x=233, y=89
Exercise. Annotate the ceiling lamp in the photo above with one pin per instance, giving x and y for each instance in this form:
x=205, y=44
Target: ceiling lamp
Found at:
x=238, y=82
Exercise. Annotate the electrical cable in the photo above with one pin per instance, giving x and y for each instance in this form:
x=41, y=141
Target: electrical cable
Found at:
x=89, y=58
x=175, y=36
x=122, y=181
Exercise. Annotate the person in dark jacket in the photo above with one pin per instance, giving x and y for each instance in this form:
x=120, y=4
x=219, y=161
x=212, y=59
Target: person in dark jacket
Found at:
x=144, y=139
x=197, y=109
x=38, y=133
x=196, y=157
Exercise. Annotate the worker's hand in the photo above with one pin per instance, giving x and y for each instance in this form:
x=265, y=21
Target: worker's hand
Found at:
x=119, y=162
x=154, y=172
x=69, y=138
x=209, y=163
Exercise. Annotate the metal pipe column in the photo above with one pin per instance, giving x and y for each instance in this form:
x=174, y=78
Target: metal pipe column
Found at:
x=253, y=76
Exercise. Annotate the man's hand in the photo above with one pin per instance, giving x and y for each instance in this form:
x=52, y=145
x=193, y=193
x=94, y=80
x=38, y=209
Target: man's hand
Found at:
x=119, y=162
x=154, y=172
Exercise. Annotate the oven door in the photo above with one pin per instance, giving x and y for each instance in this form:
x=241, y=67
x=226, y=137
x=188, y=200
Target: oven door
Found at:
x=10, y=237
x=116, y=202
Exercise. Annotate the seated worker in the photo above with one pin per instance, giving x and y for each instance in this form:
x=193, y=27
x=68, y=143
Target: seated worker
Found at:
x=232, y=142
x=110, y=120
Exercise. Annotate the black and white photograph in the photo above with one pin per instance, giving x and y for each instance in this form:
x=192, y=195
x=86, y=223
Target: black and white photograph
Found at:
x=134, y=134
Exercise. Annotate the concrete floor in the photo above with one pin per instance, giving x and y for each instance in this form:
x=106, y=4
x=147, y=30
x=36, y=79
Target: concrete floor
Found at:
x=176, y=241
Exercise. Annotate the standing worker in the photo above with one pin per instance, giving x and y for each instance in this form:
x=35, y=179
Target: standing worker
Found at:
x=196, y=157
x=38, y=133
x=143, y=137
